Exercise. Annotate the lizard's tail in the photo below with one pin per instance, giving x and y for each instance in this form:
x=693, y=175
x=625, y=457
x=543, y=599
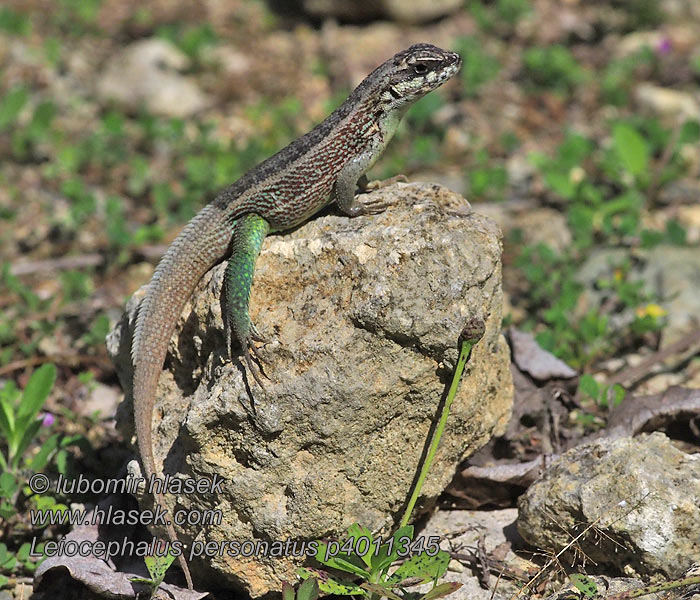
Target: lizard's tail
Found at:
x=202, y=243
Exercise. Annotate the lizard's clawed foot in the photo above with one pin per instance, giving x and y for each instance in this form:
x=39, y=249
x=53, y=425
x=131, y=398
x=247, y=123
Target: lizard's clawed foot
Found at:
x=256, y=337
x=255, y=367
x=374, y=207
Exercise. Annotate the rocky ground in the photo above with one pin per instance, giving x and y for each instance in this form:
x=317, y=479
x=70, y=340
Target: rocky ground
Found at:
x=575, y=126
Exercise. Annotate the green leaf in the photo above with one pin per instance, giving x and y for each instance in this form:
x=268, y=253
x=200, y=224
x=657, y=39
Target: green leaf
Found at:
x=618, y=394
x=690, y=133
x=288, y=590
x=631, y=149
x=340, y=561
x=11, y=105
x=442, y=590
x=8, y=485
x=26, y=439
x=560, y=183
x=329, y=585
x=61, y=461
x=7, y=510
x=584, y=584
x=158, y=565
x=357, y=532
x=426, y=568
x=23, y=552
x=7, y=418
x=676, y=233
x=308, y=590
x=7, y=558
x=383, y=557
x=589, y=386
x=38, y=462
x=36, y=392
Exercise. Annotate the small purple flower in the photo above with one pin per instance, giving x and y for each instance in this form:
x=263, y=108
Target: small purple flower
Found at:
x=47, y=420
x=664, y=45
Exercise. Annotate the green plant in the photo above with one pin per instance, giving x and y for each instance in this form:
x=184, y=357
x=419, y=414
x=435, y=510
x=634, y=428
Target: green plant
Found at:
x=576, y=335
x=370, y=560
x=619, y=75
x=20, y=561
x=307, y=590
x=11, y=105
x=499, y=16
x=604, y=396
x=14, y=22
x=643, y=14
x=99, y=328
x=695, y=63
x=191, y=39
x=478, y=66
x=19, y=416
x=487, y=180
x=157, y=566
x=471, y=334
x=20, y=425
x=76, y=17
x=553, y=67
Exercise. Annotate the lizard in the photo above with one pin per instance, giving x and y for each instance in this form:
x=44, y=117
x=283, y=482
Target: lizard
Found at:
x=323, y=166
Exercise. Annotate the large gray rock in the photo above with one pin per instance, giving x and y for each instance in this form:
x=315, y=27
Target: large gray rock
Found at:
x=148, y=74
x=365, y=314
x=639, y=498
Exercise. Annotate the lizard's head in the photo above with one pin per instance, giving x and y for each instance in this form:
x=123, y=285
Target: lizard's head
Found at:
x=414, y=72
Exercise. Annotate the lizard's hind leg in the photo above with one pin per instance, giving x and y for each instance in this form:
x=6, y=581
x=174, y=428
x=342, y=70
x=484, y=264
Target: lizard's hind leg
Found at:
x=249, y=231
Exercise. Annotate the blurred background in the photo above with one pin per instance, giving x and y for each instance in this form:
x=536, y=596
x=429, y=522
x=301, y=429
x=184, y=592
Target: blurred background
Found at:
x=573, y=123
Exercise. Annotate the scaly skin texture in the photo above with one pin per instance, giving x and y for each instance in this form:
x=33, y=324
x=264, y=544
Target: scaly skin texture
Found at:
x=280, y=193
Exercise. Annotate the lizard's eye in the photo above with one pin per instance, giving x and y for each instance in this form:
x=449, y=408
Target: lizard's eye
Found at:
x=420, y=69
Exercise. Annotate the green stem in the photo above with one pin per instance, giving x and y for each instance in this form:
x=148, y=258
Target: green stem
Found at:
x=464, y=354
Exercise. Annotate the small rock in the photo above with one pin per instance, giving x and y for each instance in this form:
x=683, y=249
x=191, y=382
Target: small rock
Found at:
x=417, y=11
x=665, y=101
x=536, y=224
x=639, y=497
x=544, y=225
x=464, y=528
x=638, y=40
x=147, y=73
x=103, y=399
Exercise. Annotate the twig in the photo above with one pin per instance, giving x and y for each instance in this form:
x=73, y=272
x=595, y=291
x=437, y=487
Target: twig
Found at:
x=652, y=589
x=633, y=374
x=484, y=579
x=56, y=264
x=63, y=359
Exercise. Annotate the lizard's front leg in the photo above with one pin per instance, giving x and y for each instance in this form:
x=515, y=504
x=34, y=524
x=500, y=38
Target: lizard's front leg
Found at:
x=249, y=231
x=349, y=177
